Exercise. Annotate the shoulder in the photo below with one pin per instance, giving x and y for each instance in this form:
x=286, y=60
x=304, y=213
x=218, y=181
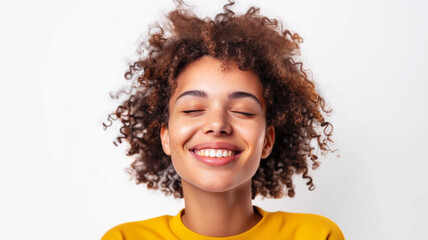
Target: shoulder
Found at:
x=307, y=226
x=306, y=219
x=137, y=229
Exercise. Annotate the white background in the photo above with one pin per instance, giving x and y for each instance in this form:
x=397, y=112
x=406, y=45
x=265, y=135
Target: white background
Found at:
x=62, y=178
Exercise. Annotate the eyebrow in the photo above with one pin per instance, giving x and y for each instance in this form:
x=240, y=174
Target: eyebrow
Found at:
x=234, y=95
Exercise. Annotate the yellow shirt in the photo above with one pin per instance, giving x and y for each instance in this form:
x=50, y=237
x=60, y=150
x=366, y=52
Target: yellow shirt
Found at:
x=274, y=225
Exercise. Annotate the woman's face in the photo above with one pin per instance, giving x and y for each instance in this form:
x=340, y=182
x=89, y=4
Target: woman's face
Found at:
x=216, y=132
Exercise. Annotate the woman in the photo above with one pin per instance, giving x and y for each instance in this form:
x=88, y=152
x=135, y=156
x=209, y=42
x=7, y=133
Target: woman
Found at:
x=222, y=112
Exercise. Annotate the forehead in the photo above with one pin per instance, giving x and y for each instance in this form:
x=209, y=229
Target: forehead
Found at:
x=210, y=75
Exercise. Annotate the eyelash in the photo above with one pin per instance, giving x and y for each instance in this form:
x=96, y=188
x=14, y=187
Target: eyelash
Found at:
x=243, y=113
x=246, y=114
x=192, y=111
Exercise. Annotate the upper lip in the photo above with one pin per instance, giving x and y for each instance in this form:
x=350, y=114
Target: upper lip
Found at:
x=216, y=145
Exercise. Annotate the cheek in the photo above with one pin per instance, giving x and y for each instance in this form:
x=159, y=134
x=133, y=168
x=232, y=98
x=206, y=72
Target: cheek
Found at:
x=181, y=132
x=254, y=138
x=253, y=134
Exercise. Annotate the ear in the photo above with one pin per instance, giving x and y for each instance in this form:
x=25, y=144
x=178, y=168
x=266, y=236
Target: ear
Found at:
x=164, y=135
x=269, y=141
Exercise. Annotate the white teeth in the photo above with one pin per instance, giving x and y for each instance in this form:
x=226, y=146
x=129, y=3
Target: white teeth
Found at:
x=217, y=153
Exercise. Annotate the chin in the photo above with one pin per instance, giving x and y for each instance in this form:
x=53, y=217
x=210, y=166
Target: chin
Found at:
x=217, y=188
x=217, y=184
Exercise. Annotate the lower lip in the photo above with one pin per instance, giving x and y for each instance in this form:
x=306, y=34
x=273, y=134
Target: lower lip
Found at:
x=216, y=162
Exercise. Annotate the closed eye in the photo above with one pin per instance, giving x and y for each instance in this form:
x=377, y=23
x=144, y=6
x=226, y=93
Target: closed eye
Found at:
x=245, y=113
x=192, y=111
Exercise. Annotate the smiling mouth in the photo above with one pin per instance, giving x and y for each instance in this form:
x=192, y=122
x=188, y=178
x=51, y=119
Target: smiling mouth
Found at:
x=215, y=153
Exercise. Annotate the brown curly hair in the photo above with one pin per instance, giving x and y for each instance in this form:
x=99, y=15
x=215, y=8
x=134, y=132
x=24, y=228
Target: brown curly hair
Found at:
x=254, y=42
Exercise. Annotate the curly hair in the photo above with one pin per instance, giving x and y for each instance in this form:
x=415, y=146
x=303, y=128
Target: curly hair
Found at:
x=252, y=41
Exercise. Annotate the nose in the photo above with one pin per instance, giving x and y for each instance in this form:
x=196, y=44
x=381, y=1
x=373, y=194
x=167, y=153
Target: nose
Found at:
x=217, y=123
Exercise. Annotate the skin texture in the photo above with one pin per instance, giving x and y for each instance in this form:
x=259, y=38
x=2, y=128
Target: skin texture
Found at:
x=217, y=198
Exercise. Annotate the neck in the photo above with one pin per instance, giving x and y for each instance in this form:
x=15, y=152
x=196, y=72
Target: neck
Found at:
x=219, y=214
